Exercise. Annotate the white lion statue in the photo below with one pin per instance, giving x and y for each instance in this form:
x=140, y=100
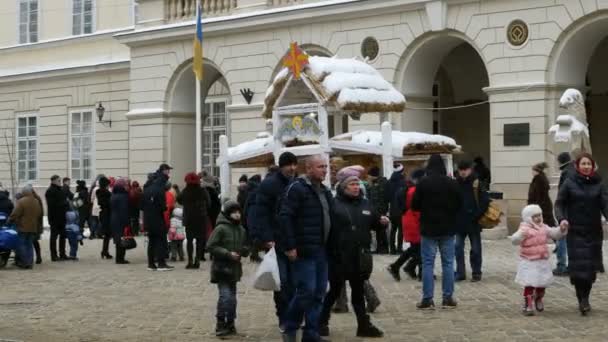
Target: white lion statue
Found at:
x=570, y=133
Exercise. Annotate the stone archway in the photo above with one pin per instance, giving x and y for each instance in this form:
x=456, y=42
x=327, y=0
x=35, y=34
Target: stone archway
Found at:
x=579, y=61
x=446, y=70
x=181, y=109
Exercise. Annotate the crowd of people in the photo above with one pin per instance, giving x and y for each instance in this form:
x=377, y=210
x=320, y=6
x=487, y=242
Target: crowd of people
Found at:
x=324, y=234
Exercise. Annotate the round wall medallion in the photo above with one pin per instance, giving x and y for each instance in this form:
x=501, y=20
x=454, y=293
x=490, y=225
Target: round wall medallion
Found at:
x=370, y=48
x=517, y=33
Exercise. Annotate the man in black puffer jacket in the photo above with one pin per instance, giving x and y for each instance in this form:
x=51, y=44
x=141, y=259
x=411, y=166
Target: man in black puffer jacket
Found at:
x=438, y=199
x=154, y=205
x=264, y=228
x=305, y=226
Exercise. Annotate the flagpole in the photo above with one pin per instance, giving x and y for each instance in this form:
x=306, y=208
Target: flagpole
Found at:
x=199, y=143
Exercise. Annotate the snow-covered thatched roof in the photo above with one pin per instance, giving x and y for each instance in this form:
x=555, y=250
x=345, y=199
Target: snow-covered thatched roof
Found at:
x=348, y=84
x=403, y=143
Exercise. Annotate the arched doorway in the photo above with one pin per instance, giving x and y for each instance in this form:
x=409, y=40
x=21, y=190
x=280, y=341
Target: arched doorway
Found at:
x=579, y=61
x=441, y=71
x=181, y=109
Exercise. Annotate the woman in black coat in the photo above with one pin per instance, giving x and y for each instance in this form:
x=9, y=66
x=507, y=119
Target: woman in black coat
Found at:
x=120, y=217
x=104, y=200
x=195, y=201
x=352, y=220
x=538, y=193
x=581, y=201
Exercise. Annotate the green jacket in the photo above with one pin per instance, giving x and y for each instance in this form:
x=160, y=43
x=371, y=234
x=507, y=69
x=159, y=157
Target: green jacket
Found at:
x=227, y=237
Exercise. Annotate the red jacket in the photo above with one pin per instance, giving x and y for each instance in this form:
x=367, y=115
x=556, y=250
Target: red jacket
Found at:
x=170, y=198
x=411, y=220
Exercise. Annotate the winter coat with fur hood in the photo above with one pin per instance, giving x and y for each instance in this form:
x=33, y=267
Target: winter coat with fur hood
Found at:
x=533, y=237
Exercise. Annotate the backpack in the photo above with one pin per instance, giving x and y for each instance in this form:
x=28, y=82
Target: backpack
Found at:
x=491, y=218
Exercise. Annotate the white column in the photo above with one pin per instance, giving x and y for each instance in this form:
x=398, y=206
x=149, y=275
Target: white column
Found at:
x=224, y=167
x=387, y=149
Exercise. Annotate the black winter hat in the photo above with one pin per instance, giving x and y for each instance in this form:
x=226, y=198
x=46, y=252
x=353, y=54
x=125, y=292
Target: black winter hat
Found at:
x=243, y=179
x=231, y=206
x=287, y=158
x=417, y=175
x=436, y=166
x=464, y=164
x=104, y=182
x=564, y=158
x=374, y=171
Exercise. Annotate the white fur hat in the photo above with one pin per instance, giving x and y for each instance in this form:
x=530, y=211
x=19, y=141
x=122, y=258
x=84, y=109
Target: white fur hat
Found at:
x=529, y=211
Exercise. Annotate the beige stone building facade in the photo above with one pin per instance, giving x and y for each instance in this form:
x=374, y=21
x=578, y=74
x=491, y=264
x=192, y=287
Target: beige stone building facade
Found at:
x=503, y=64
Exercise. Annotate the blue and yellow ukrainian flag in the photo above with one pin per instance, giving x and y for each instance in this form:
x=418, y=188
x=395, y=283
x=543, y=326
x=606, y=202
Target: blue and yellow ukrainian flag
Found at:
x=197, y=64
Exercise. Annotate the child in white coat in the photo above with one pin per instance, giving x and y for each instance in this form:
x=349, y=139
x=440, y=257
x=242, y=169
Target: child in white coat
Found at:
x=534, y=271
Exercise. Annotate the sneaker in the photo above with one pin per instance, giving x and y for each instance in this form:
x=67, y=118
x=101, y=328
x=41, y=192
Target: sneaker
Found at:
x=152, y=267
x=426, y=304
x=164, y=268
x=449, y=303
x=369, y=330
x=394, y=271
x=324, y=330
x=476, y=278
x=538, y=303
x=528, y=308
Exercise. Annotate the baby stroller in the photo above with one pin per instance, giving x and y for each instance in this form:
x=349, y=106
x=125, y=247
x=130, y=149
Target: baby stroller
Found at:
x=8, y=240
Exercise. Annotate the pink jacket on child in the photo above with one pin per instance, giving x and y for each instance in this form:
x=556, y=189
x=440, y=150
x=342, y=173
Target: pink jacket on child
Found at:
x=533, y=237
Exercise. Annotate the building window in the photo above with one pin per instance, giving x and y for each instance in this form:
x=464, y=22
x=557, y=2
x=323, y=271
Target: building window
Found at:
x=27, y=148
x=28, y=21
x=82, y=17
x=82, y=145
x=214, y=126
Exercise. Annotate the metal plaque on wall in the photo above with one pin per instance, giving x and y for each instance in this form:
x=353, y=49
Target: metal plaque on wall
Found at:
x=517, y=134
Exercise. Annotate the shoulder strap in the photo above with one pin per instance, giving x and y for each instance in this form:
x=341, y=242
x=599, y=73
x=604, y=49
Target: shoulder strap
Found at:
x=476, y=191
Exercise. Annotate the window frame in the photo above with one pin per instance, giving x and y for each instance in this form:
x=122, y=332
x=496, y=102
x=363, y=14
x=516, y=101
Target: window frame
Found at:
x=93, y=142
x=93, y=17
x=211, y=129
x=38, y=25
x=16, y=149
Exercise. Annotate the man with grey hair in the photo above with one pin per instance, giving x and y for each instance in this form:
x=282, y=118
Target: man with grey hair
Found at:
x=305, y=224
x=26, y=217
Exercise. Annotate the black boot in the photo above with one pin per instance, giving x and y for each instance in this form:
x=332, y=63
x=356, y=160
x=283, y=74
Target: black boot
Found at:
x=394, y=271
x=410, y=269
x=221, y=329
x=365, y=328
x=231, y=328
x=584, y=306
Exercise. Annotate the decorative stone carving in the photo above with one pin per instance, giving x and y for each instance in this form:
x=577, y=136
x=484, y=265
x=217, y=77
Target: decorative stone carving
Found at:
x=370, y=48
x=570, y=133
x=517, y=33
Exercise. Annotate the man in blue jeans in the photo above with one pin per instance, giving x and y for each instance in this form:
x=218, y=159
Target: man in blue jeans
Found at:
x=305, y=225
x=264, y=226
x=474, y=204
x=439, y=200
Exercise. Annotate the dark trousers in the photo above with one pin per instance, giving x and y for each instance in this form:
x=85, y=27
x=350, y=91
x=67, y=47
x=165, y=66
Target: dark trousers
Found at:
x=200, y=246
x=25, y=251
x=36, y=244
x=156, y=250
x=57, y=232
x=474, y=256
x=283, y=298
x=106, y=244
x=226, y=302
x=396, y=238
x=381, y=240
x=337, y=283
x=177, y=249
x=583, y=289
x=412, y=253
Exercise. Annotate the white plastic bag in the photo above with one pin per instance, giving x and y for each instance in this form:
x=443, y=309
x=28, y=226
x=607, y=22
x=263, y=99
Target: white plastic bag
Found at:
x=267, y=275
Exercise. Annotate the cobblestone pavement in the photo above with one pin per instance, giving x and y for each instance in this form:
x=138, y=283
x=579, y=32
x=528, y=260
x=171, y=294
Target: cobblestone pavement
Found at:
x=97, y=300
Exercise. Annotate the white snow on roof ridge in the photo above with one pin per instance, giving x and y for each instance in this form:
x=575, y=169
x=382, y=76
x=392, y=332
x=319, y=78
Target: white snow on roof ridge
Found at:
x=325, y=65
x=362, y=95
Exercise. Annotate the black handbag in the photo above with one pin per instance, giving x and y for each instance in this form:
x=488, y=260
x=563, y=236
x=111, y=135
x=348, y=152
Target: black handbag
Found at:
x=366, y=263
x=127, y=241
